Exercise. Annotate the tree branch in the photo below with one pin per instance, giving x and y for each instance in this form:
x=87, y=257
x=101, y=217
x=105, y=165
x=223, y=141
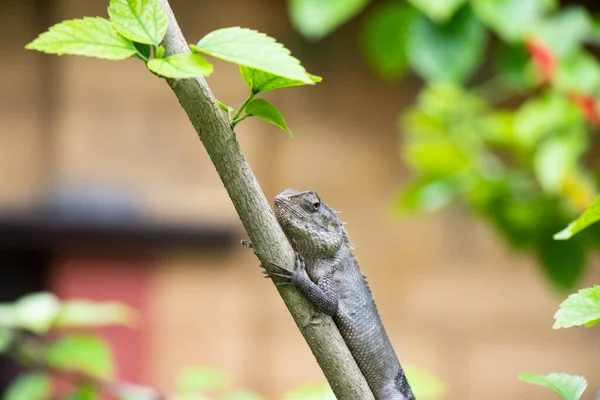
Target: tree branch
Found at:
x=268, y=239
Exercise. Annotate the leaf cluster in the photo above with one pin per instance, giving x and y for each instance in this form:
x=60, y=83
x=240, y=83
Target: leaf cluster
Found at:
x=505, y=115
x=136, y=28
x=37, y=332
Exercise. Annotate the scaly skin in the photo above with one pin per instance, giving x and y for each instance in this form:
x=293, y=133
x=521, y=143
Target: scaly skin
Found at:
x=328, y=274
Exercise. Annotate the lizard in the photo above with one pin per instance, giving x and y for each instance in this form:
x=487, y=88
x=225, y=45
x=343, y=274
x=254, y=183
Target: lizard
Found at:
x=327, y=272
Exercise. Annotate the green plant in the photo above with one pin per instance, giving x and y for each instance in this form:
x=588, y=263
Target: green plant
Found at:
x=34, y=332
x=503, y=120
x=579, y=309
x=136, y=29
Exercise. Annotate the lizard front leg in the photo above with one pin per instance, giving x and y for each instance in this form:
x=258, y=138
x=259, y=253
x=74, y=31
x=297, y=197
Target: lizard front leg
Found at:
x=322, y=293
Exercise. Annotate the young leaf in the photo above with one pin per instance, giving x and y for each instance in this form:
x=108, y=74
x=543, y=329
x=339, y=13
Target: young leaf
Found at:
x=36, y=312
x=32, y=386
x=88, y=354
x=440, y=10
x=89, y=314
x=260, y=81
x=253, y=49
x=591, y=215
x=384, y=36
x=159, y=52
x=181, y=66
x=264, y=110
x=91, y=37
x=143, y=21
x=315, y=19
x=581, y=308
x=225, y=108
x=568, y=387
x=446, y=53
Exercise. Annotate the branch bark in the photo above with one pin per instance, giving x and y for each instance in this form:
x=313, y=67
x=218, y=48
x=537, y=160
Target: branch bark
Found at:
x=268, y=239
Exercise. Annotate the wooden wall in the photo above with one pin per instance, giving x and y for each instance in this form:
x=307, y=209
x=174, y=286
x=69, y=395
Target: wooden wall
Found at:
x=454, y=299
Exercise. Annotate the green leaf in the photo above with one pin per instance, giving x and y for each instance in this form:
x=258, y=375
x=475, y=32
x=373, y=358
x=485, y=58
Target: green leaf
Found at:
x=563, y=262
x=423, y=384
x=181, y=66
x=143, y=21
x=89, y=314
x=446, y=53
x=426, y=194
x=6, y=337
x=557, y=159
x=590, y=216
x=252, y=49
x=88, y=354
x=144, y=49
x=564, y=32
x=513, y=20
x=197, y=380
x=7, y=315
x=581, y=308
x=568, y=387
x=428, y=149
x=438, y=10
x=260, y=81
x=315, y=19
x=242, y=395
x=384, y=35
x=87, y=391
x=31, y=386
x=264, y=110
x=36, y=312
x=514, y=65
x=545, y=115
x=311, y=392
x=91, y=37
x=579, y=73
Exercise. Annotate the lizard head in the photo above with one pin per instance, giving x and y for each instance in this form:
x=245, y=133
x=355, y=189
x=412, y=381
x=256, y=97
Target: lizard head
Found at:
x=313, y=228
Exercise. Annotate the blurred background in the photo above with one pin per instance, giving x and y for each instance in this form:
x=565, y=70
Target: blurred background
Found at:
x=106, y=192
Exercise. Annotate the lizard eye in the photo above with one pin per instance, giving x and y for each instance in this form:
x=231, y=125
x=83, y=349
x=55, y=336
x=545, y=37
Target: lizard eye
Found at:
x=311, y=205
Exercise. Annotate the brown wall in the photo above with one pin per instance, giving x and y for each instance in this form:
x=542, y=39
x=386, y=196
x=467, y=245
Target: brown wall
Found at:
x=455, y=300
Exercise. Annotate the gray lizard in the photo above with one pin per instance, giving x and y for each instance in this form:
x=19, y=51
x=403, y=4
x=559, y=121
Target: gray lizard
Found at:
x=327, y=273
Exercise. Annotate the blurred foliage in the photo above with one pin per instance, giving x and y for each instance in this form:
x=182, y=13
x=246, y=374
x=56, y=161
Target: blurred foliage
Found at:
x=37, y=332
x=504, y=119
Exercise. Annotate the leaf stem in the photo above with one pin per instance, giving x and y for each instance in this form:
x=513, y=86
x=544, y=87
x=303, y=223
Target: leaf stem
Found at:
x=242, y=107
x=142, y=57
x=238, y=120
